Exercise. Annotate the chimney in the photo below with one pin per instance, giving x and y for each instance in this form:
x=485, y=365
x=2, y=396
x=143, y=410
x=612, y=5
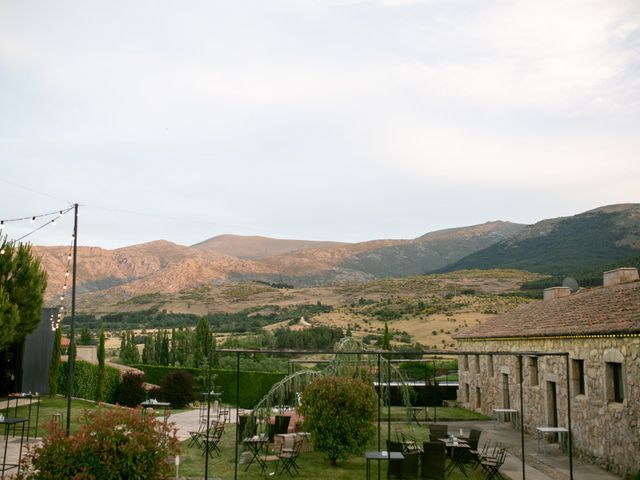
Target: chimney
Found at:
x=556, y=292
x=620, y=275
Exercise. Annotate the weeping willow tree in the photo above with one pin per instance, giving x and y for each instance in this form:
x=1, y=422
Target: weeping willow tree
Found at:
x=352, y=359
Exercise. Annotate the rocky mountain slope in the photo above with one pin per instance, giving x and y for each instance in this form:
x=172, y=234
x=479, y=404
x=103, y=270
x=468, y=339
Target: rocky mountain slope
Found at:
x=163, y=266
x=564, y=245
x=551, y=246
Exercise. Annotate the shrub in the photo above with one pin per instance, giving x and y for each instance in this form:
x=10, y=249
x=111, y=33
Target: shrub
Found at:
x=85, y=381
x=131, y=392
x=177, y=389
x=253, y=385
x=111, y=444
x=339, y=413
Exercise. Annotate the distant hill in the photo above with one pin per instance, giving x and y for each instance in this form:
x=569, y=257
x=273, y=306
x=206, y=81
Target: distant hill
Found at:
x=558, y=246
x=254, y=247
x=564, y=245
x=431, y=251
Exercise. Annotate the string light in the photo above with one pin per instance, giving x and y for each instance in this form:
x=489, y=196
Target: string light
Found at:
x=32, y=219
x=56, y=320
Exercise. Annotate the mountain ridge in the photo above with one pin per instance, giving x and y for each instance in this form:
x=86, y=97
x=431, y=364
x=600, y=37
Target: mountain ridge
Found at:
x=164, y=266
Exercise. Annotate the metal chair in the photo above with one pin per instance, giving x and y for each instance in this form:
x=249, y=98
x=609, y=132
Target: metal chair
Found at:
x=211, y=440
x=289, y=458
x=492, y=465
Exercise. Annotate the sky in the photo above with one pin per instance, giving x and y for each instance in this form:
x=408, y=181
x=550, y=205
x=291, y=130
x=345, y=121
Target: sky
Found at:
x=327, y=119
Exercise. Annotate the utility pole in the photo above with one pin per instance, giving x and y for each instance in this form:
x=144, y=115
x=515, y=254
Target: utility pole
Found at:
x=72, y=342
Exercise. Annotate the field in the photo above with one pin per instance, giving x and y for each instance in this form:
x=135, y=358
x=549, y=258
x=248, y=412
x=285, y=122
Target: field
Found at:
x=427, y=309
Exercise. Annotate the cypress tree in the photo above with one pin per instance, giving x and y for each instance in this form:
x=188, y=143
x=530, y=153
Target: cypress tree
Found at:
x=101, y=370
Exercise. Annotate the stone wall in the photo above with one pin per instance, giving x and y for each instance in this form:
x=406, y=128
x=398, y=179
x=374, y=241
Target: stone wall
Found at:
x=605, y=432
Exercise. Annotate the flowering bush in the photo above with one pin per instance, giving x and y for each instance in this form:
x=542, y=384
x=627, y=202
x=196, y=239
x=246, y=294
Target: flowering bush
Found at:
x=112, y=444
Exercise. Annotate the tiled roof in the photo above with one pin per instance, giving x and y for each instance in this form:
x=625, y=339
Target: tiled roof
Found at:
x=603, y=310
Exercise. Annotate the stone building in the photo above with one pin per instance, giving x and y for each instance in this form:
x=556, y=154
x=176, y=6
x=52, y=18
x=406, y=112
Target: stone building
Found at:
x=600, y=330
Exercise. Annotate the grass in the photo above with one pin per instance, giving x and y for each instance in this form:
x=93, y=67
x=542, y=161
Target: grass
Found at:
x=313, y=465
x=49, y=406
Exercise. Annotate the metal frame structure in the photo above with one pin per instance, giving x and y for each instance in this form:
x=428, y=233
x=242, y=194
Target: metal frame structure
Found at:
x=432, y=355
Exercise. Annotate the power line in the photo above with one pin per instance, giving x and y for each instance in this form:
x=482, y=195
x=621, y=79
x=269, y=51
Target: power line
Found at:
x=17, y=185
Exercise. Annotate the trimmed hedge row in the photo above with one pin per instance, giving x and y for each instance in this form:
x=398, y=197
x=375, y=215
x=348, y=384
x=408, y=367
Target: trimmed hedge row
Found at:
x=253, y=385
x=85, y=381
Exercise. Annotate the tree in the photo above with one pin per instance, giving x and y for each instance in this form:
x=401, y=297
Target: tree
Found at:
x=386, y=339
x=22, y=285
x=101, y=370
x=339, y=413
x=86, y=337
x=55, y=363
x=177, y=389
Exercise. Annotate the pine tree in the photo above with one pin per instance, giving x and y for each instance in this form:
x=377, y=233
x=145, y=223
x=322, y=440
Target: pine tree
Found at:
x=22, y=285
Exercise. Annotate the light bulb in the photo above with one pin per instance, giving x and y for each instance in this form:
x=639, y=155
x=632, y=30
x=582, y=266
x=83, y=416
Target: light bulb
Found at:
x=53, y=222
x=61, y=214
x=33, y=219
x=2, y=251
x=1, y=224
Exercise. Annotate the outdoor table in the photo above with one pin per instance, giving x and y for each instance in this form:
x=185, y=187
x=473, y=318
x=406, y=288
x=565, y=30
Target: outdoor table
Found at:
x=380, y=456
x=414, y=413
x=543, y=431
x=17, y=397
x=254, y=445
x=499, y=414
x=457, y=448
x=155, y=404
x=8, y=423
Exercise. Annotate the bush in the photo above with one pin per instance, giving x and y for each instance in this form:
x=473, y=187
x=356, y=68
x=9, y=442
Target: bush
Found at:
x=339, y=413
x=177, y=389
x=85, y=381
x=253, y=385
x=131, y=392
x=111, y=444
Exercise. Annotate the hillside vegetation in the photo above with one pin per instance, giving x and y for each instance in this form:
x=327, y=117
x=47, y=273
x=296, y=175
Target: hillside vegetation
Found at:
x=566, y=245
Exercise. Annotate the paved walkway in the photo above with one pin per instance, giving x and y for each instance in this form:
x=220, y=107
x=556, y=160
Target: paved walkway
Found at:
x=550, y=464
x=189, y=421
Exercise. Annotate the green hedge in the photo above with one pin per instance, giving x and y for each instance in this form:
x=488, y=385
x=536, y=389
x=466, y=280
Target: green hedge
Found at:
x=253, y=385
x=85, y=381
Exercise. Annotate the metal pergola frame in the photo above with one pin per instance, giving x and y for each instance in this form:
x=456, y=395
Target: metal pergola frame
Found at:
x=431, y=355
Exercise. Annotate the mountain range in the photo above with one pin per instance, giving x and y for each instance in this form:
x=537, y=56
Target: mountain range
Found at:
x=551, y=246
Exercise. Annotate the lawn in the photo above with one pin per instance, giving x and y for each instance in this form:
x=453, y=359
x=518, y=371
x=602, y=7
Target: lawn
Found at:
x=49, y=406
x=313, y=465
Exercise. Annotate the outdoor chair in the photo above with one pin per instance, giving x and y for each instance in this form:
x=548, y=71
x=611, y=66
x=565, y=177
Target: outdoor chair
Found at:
x=492, y=465
x=272, y=455
x=290, y=457
x=196, y=435
x=409, y=443
x=488, y=452
x=474, y=438
x=432, y=459
x=211, y=440
x=408, y=467
x=438, y=431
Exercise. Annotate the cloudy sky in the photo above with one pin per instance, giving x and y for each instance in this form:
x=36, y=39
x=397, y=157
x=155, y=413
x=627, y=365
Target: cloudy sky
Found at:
x=326, y=119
